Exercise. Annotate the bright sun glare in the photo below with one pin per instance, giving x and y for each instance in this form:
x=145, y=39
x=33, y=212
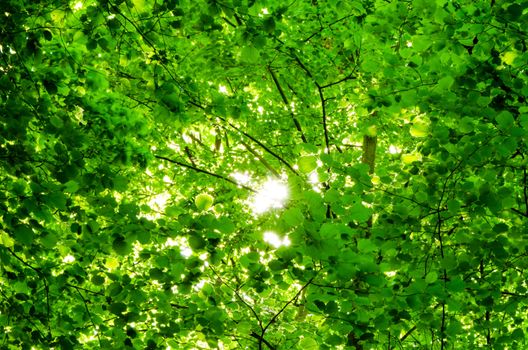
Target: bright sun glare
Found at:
x=271, y=195
x=273, y=239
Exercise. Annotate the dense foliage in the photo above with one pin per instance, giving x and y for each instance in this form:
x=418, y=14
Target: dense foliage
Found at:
x=143, y=145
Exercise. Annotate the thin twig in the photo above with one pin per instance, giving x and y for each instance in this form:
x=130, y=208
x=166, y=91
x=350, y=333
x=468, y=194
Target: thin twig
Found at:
x=287, y=104
x=198, y=170
x=89, y=314
x=274, y=318
x=260, y=158
x=46, y=287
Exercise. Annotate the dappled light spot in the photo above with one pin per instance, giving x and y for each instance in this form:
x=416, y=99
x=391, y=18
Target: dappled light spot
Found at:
x=68, y=259
x=275, y=240
x=157, y=203
x=180, y=242
x=186, y=252
x=411, y=157
x=394, y=150
x=78, y=6
x=241, y=178
x=272, y=195
x=391, y=273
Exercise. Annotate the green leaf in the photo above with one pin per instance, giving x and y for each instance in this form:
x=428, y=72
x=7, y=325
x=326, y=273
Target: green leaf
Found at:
x=431, y=277
x=269, y=24
x=203, y=201
x=49, y=239
x=249, y=54
x=446, y=82
x=334, y=340
x=518, y=334
x=500, y=228
x=366, y=245
x=307, y=164
x=121, y=246
x=71, y=186
x=117, y=308
x=360, y=213
x=98, y=280
x=456, y=285
x=57, y=200
x=293, y=216
x=196, y=242
x=505, y=120
x=23, y=234
x=6, y=240
x=308, y=344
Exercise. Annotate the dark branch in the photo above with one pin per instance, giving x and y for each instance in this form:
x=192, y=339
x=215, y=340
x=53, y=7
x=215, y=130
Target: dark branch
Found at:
x=240, y=298
x=287, y=104
x=88, y=312
x=408, y=333
x=274, y=318
x=198, y=170
x=323, y=108
x=260, y=158
x=348, y=77
x=519, y=212
x=46, y=287
x=260, y=339
x=252, y=138
x=263, y=146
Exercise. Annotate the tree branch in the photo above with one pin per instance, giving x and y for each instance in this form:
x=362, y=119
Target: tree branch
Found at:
x=260, y=339
x=89, y=313
x=274, y=318
x=348, y=77
x=260, y=158
x=198, y=170
x=241, y=299
x=263, y=146
x=525, y=190
x=408, y=333
x=287, y=104
x=46, y=287
x=252, y=138
x=321, y=96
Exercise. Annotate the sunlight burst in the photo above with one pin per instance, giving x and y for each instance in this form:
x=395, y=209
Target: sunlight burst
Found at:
x=271, y=195
x=273, y=239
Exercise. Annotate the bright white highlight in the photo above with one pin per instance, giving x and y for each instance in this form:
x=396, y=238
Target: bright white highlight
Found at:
x=271, y=195
x=186, y=252
x=159, y=201
x=394, y=150
x=241, y=178
x=222, y=89
x=68, y=259
x=390, y=273
x=409, y=43
x=186, y=138
x=199, y=285
x=180, y=242
x=273, y=239
x=78, y=5
x=313, y=178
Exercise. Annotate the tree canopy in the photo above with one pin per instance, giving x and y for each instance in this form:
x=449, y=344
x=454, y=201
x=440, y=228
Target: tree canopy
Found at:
x=242, y=174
